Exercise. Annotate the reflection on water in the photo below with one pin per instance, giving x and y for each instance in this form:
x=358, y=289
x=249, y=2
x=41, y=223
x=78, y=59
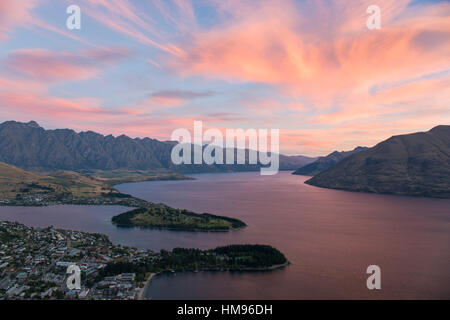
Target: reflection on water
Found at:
x=330, y=237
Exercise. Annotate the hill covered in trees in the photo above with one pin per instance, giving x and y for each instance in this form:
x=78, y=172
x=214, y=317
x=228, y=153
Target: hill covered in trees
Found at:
x=233, y=257
x=160, y=216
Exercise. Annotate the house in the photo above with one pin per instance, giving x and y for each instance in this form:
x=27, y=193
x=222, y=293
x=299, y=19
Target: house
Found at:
x=127, y=277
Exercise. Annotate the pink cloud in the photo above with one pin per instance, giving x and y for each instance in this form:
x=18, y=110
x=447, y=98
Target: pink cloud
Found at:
x=47, y=65
x=155, y=103
x=170, y=98
x=56, y=108
x=13, y=14
x=123, y=17
x=27, y=98
x=270, y=46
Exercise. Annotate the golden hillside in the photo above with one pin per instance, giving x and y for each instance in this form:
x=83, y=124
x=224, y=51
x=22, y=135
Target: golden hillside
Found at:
x=15, y=181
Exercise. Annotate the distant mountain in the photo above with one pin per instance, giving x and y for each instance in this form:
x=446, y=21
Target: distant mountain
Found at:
x=415, y=164
x=31, y=147
x=293, y=162
x=324, y=163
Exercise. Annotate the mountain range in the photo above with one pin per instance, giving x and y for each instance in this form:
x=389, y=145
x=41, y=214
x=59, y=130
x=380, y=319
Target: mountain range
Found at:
x=416, y=164
x=31, y=147
x=413, y=164
x=324, y=163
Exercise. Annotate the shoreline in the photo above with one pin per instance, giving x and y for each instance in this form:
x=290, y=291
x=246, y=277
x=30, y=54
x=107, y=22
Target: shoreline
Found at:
x=270, y=268
x=146, y=283
x=180, y=229
x=194, y=230
x=153, y=275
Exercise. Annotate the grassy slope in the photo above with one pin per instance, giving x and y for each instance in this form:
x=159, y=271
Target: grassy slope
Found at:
x=115, y=177
x=15, y=181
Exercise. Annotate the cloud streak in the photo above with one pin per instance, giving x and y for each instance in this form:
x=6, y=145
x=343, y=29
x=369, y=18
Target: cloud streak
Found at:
x=46, y=65
x=323, y=64
x=14, y=14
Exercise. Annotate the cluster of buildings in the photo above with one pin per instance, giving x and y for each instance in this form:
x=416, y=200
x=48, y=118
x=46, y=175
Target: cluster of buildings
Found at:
x=34, y=264
x=117, y=287
x=52, y=198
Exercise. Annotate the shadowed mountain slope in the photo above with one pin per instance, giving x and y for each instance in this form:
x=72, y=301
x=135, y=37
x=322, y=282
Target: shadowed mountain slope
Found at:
x=323, y=163
x=415, y=164
x=31, y=147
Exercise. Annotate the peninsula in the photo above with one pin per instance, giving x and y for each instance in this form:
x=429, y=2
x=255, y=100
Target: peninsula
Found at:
x=42, y=256
x=19, y=187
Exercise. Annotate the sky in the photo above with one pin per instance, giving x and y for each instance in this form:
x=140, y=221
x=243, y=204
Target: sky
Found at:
x=312, y=69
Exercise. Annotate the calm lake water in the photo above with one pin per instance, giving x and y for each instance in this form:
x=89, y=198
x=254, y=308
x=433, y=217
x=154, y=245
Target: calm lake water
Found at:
x=329, y=236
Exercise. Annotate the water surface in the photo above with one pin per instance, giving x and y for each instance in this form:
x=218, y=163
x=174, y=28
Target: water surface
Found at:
x=329, y=236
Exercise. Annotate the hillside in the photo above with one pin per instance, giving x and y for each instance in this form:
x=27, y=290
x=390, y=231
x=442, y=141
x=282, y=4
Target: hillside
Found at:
x=323, y=163
x=15, y=182
x=415, y=164
x=31, y=147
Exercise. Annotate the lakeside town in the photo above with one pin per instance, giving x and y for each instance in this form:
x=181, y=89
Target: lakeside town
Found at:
x=34, y=263
x=38, y=263
x=49, y=199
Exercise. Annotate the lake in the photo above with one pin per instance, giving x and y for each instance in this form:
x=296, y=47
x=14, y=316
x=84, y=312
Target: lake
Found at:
x=329, y=236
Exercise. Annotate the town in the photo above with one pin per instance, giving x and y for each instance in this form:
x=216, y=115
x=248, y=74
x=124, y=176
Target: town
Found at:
x=33, y=264
x=50, y=198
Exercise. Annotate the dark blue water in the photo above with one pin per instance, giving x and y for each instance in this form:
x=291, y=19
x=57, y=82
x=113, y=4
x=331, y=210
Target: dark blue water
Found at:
x=330, y=237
